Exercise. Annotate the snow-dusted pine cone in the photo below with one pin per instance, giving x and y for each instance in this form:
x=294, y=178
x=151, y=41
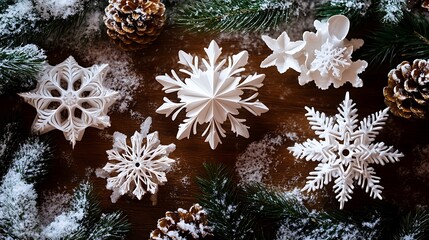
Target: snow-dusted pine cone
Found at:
x=182, y=224
x=407, y=93
x=134, y=23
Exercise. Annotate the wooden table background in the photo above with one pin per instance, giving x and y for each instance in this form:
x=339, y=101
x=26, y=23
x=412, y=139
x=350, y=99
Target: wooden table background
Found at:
x=405, y=183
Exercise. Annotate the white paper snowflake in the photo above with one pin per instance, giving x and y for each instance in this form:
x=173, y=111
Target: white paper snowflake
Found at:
x=139, y=168
x=324, y=56
x=71, y=98
x=345, y=151
x=212, y=95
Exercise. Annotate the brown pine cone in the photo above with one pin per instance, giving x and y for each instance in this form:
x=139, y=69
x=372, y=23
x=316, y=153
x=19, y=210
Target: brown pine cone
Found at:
x=407, y=93
x=134, y=23
x=182, y=224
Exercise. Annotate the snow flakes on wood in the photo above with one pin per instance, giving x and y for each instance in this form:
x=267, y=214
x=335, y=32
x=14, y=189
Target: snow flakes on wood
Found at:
x=71, y=98
x=324, y=56
x=139, y=168
x=212, y=95
x=345, y=151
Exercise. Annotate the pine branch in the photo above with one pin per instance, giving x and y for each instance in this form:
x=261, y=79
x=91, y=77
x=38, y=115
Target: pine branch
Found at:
x=11, y=135
x=356, y=11
x=244, y=15
x=19, y=67
x=220, y=198
x=392, y=44
x=414, y=225
x=110, y=226
x=31, y=159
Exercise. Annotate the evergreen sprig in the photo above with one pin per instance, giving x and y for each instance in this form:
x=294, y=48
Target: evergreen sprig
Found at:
x=19, y=66
x=260, y=212
x=232, y=15
x=220, y=198
x=392, y=44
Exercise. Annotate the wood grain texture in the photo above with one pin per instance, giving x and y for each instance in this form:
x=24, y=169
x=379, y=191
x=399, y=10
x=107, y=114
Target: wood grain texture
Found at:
x=286, y=100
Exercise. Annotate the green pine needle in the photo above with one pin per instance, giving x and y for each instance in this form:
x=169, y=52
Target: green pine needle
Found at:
x=414, y=225
x=355, y=14
x=220, y=199
x=19, y=66
x=31, y=159
x=392, y=44
x=232, y=15
x=110, y=226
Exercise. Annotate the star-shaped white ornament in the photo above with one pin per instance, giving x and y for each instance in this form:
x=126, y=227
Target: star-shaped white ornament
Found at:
x=139, y=168
x=212, y=95
x=285, y=53
x=345, y=151
x=71, y=98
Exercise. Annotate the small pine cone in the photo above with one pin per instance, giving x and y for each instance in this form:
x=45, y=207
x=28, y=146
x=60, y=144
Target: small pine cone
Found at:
x=182, y=224
x=425, y=4
x=133, y=23
x=407, y=92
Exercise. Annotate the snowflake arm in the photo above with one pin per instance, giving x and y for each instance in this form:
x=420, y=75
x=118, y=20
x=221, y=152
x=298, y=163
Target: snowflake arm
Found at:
x=382, y=154
x=212, y=95
x=323, y=126
x=371, y=125
x=343, y=187
x=317, y=179
x=347, y=116
x=311, y=150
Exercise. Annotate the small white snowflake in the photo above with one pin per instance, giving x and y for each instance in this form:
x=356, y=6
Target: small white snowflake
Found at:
x=71, y=98
x=345, y=151
x=212, y=95
x=138, y=168
x=331, y=60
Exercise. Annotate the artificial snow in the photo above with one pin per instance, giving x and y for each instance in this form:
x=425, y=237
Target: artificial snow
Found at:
x=393, y=10
x=254, y=163
x=48, y=9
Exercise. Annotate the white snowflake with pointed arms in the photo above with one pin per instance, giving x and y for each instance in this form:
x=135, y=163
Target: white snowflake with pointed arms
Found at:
x=212, y=95
x=71, y=98
x=139, y=168
x=345, y=151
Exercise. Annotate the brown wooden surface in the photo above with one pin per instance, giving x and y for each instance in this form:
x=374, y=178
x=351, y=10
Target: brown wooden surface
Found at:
x=285, y=98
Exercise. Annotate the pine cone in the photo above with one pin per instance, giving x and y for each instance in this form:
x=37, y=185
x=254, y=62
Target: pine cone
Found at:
x=134, y=23
x=407, y=93
x=425, y=4
x=182, y=224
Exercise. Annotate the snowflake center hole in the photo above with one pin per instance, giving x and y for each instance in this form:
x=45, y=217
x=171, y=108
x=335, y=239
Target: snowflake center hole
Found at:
x=345, y=152
x=137, y=164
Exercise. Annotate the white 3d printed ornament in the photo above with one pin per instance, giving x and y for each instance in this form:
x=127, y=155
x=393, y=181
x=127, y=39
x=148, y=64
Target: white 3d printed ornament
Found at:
x=212, y=95
x=324, y=56
x=71, y=98
x=345, y=151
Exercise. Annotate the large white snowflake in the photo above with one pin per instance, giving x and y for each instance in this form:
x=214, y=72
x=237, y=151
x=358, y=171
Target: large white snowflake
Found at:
x=138, y=168
x=71, y=98
x=212, y=95
x=345, y=151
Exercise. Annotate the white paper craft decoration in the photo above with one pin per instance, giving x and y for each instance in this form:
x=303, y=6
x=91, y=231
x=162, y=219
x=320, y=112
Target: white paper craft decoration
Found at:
x=71, y=98
x=344, y=151
x=212, y=95
x=324, y=56
x=139, y=168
